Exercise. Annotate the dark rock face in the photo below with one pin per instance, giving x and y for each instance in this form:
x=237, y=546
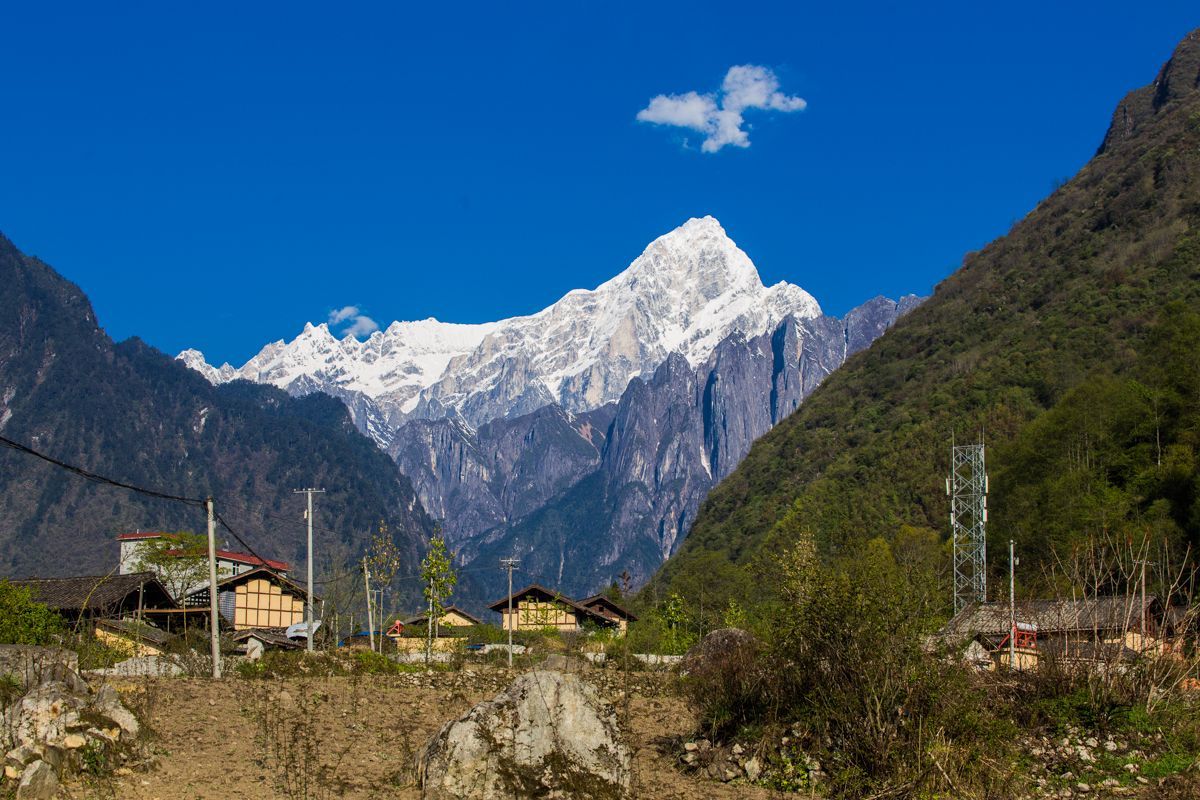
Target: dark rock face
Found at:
x=130, y=412
x=581, y=499
x=1179, y=77
x=477, y=480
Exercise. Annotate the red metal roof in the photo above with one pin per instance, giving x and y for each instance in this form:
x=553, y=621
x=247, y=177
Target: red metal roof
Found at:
x=228, y=555
x=246, y=558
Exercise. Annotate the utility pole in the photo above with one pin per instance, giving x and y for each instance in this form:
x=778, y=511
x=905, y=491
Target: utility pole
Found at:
x=309, y=605
x=510, y=564
x=213, y=620
x=1142, y=614
x=429, y=625
x=1012, y=607
x=370, y=616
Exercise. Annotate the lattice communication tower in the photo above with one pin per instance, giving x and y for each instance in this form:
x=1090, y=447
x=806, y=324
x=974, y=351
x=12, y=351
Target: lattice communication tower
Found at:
x=967, y=487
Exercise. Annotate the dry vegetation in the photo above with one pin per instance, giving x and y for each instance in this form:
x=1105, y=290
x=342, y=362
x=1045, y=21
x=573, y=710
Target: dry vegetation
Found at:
x=349, y=736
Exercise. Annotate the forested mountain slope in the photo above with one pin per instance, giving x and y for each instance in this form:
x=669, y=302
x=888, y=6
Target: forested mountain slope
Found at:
x=132, y=413
x=1072, y=344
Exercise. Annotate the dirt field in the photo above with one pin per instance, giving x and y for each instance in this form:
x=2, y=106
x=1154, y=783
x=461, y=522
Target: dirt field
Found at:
x=352, y=737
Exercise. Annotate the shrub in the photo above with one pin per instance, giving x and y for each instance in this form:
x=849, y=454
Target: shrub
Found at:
x=22, y=621
x=728, y=681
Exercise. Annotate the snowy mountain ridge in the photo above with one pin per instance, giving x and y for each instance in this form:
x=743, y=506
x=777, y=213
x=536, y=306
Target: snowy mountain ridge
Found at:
x=684, y=294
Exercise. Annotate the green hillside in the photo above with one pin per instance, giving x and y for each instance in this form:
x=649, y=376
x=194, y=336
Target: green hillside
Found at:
x=1072, y=344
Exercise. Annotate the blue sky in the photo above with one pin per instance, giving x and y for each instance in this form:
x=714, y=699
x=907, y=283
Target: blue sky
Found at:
x=214, y=175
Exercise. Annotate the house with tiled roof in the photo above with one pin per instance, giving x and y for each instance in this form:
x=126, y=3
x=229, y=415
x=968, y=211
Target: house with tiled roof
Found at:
x=1080, y=631
x=229, y=562
x=258, y=598
x=94, y=596
x=536, y=607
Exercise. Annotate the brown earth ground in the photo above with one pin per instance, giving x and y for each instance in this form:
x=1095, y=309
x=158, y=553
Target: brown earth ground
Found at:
x=350, y=737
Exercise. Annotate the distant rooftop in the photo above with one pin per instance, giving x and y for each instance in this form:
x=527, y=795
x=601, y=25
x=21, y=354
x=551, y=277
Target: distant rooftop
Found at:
x=228, y=555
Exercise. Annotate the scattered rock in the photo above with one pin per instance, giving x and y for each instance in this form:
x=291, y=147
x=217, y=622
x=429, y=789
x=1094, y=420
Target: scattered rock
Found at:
x=73, y=741
x=548, y=734
x=21, y=756
x=108, y=705
x=43, y=714
x=1082, y=788
x=691, y=747
x=753, y=769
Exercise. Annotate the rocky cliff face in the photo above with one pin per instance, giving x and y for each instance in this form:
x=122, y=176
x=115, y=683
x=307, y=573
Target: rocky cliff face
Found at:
x=1178, y=78
x=584, y=436
x=582, y=498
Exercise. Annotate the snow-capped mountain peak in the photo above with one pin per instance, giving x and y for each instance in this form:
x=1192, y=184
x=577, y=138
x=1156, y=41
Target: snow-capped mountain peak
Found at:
x=686, y=292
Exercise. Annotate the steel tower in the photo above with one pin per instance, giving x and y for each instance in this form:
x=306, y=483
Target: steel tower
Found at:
x=967, y=487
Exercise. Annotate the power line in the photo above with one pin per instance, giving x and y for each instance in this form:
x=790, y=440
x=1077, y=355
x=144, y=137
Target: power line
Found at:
x=107, y=481
x=192, y=501
x=96, y=477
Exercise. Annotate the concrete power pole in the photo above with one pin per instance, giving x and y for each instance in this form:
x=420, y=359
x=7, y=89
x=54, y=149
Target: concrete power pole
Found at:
x=510, y=564
x=214, y=617
x=1012, y=606
x=308, y=617
x=370, y=616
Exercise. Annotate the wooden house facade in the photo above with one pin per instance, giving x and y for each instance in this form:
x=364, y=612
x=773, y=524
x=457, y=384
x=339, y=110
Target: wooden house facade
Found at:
x=536, y=607
x=259, y=598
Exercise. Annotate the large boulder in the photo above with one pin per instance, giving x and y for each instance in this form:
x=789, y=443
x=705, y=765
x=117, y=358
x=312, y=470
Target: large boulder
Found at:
x=45, y=714
x=548, y=735
x=722, y=647
x=30, y=665
x=39, y=781
x=56, y=717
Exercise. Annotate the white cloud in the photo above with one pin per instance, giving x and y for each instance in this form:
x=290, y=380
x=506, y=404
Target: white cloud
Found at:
x=342, y=314
x=719, y=115
x=359, y=324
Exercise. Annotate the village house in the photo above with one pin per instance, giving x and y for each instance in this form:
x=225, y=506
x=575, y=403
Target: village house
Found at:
x=536, y=607
x=452, y=617
x=229, y=562
x=410, y=634
x=116, y=608
x=99, y=596
x=258, y=598
x=1088, y=633
x=605, y=607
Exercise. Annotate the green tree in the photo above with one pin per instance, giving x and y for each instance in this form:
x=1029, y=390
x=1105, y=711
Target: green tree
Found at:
x=180, y=560
x=439, y=577
x=383, y=560
x=678, y=638
x=22, y=621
